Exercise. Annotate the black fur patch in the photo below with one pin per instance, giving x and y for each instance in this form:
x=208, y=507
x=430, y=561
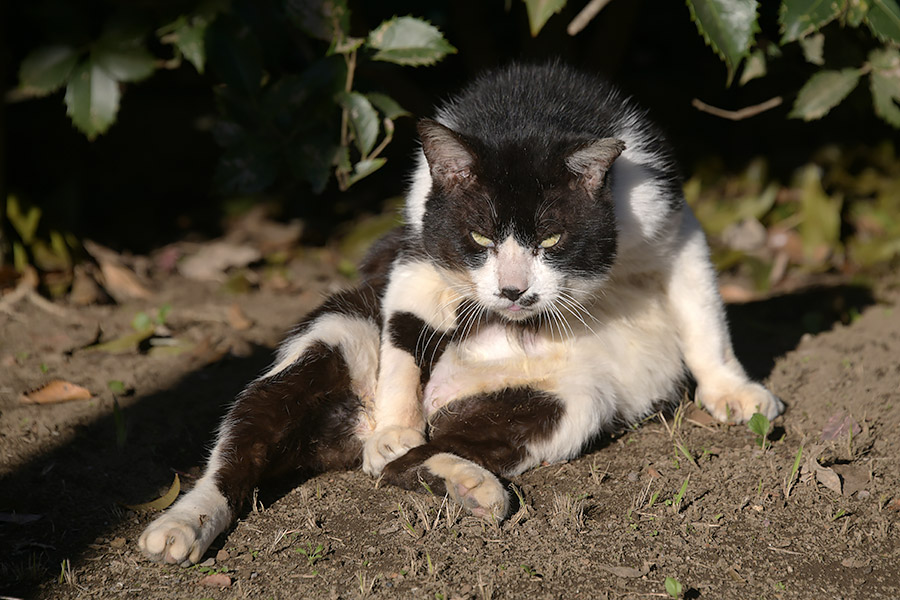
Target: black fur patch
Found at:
x=492, y=430
x=411, y=334
x=299, y=421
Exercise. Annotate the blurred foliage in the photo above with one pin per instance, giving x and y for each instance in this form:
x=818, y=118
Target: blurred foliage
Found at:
x=732, y=29
x=840, y=212
x=283, y=76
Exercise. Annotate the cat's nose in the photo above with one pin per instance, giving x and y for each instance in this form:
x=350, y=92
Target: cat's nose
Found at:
x=512, y=293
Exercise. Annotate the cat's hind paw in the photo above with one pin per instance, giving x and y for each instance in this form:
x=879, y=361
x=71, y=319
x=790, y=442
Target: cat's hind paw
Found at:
x=387, y=444
x=175, y=539
x=737, y=405
x=471, y=485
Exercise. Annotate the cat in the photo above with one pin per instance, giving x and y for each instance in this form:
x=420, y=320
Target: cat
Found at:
x=549, y=285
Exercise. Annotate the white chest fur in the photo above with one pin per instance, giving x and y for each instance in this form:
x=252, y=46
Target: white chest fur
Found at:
x=624, y=356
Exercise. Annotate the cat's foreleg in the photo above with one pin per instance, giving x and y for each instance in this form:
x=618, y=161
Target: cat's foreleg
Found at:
x=418, y=310
x=723, y=387
x=400, y=424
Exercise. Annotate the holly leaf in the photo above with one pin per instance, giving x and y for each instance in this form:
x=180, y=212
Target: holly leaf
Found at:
x=408, y=41
x=387, y=105
x=188, y=36
x=822, y=92
x=884, y=82
x=364, y=168
x=540, y=11
x=92, y=99
x=754, y=67
x=46, y=69
x=727, y=26
x=123, y=63
x=799, y=18
x=883, y=20
x=363, y=120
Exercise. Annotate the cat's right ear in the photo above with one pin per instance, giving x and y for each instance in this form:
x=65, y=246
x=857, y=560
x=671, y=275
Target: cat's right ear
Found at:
x=449, y=157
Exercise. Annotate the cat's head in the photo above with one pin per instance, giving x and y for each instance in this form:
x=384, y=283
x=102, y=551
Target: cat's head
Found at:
x=524, y=228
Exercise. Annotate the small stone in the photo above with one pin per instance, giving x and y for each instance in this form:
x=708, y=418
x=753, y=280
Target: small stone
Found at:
x=117, y=543
x=633, y=476
x=209, y=562
x=222, y=555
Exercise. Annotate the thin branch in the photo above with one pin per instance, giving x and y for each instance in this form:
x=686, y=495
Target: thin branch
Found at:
x=737, y=115
x=585, y=16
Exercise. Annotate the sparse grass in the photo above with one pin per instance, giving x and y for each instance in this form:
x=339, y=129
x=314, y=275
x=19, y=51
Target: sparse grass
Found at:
x=366, y=584
x=66, y=574
x=313, y=555
x=679, y=497
x=568, y=510
x=522, y=513
x=789, y=482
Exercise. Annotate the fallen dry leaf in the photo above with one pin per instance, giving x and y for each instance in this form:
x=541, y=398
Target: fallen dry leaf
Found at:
x=824, y=475
x=220, y=580
x=237, y=319
x=854, y=478
x=213, y=259
x=162, y=502
x=839, y=425
x=119, y=280
x=55, y=392
x=629, y=572
x=698, y=416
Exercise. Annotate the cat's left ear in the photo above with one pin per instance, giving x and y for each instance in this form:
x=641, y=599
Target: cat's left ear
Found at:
x=450, y=159
x=591, y=161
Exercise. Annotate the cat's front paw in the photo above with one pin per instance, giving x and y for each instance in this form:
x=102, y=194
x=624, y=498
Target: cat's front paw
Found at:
x=471, y=485
x=387, y=444
x=737, y=405
x=175, y=539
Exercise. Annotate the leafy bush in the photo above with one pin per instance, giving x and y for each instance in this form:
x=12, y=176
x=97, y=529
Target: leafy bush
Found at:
x=283, y=77
x=732, y=29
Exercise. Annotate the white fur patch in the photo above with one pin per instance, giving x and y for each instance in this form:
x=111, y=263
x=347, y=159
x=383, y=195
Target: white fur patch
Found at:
x=471, y=485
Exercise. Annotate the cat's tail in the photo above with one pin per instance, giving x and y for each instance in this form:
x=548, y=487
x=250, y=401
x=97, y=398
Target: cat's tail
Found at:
x=305, y=414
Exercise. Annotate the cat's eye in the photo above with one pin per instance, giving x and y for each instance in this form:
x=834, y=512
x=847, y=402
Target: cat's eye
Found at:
x=482, y=240
x=550, y=241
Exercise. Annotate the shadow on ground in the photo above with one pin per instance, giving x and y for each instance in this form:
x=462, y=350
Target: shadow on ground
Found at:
x=77, y=488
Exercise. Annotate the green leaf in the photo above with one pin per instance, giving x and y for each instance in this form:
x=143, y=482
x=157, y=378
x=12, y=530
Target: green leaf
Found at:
x=116, y=387
x=883, y=20
x=364, y=168
x=814, y=48
x=363, y=121
x=387, y=105
x=92, y=99
x=820, y=228
x=799, y=18
x=319, y=19
x=822, y=92
x=884, y=83
x=754, y=67
x=856, y=12
x=124, y=63
x=673, y=587
x=189, y=39
x=25, y=223
x=759, y=425
x=540, y=11
x=727, y=26
x=408, y=41
x=46, y=69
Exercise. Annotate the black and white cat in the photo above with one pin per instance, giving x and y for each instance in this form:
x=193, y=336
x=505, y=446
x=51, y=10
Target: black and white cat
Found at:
x=550, y=284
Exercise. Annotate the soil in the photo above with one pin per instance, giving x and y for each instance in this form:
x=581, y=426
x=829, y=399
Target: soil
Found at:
x=677, y=496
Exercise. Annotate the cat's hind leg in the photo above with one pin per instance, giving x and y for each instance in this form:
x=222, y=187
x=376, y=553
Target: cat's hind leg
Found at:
x=473, y=442
x=304, y=416
x=723, y=387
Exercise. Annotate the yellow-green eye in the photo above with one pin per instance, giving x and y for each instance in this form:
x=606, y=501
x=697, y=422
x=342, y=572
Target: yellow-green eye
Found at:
x=482, y=240
x=550, y=241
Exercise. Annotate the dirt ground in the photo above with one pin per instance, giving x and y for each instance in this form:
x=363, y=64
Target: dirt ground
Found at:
x=677, y=497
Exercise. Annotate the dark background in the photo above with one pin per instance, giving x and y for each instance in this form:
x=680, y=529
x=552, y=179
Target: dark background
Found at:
x=149, y=179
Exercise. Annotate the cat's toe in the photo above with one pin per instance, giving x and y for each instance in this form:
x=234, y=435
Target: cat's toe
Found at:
x=387, y=444
x=172, y=540
x=471, y=485
x=737, y=405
